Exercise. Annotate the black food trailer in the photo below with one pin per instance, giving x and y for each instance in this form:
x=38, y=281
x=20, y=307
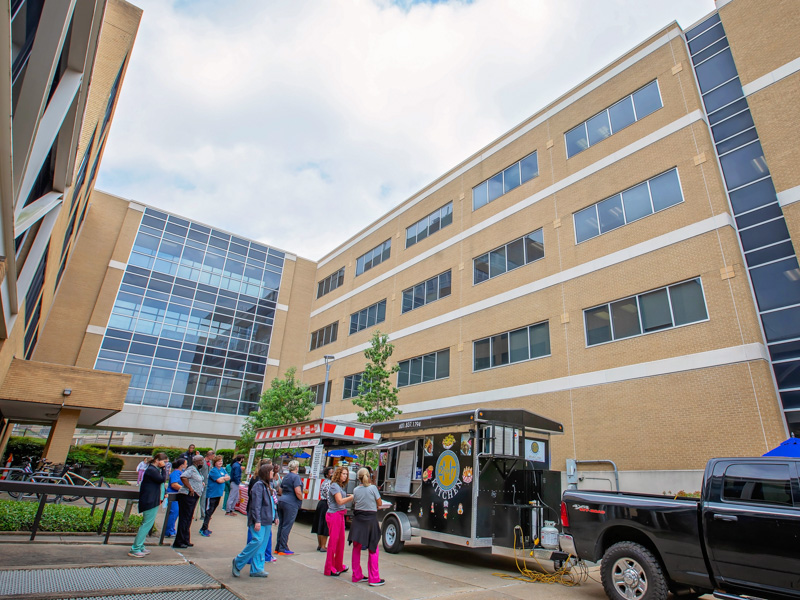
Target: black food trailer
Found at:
x=476, y=479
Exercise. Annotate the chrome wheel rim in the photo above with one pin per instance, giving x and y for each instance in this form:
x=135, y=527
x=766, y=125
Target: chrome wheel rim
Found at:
x=629, y=579
x=391, y=534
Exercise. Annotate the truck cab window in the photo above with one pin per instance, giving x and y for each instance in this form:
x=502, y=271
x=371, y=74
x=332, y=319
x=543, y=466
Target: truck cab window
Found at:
x=764, y=484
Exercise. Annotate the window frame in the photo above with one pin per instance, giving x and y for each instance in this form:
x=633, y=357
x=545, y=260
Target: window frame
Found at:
x=333, y=336
x=504, y=247
x=622, y=201
x=425, y=296
x=608, y=116
x=427, y=218
x=372, y=258
x=353, y=389
x=422, y=358
x=365, y=311
x=336, y=276
x=503, y=184
x=639, y=313
x=508, y=334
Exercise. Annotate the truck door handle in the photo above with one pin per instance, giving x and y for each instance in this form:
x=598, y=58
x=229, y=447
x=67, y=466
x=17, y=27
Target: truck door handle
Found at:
x=719, y=517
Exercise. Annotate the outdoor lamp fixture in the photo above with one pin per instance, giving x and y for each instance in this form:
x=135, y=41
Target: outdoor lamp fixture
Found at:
x=66, y=392
x=329, y=358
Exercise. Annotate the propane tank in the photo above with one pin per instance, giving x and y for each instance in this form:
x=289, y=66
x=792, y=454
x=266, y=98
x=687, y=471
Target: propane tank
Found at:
x=550, y=536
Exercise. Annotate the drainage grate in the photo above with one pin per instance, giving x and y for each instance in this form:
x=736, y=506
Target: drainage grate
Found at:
x=219, y=594
x=91, y=579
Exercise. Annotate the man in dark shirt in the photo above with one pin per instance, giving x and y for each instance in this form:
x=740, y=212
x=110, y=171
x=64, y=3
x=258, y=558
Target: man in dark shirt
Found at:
x=189, y=455
x=236, y=479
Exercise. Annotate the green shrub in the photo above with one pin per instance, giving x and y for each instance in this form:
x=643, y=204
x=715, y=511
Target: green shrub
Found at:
x=112, y=481
x=22, y=447
x=172, y=452
x=227, y=454
x=19, y=516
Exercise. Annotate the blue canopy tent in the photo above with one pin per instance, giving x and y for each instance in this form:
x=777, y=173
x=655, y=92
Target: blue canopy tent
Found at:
x=302, y=454
x=344, y=453
x=788, y=449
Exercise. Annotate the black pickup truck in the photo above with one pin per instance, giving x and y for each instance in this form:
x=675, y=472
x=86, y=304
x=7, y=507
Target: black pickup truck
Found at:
x=741, y=538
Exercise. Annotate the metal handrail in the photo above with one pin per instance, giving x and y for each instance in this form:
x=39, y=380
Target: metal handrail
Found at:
x=48, y=489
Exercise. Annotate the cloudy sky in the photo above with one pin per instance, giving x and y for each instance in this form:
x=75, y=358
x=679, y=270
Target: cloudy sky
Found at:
x=298, y=123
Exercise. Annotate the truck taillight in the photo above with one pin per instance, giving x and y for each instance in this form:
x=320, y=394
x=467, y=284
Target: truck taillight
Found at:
x=564, y=515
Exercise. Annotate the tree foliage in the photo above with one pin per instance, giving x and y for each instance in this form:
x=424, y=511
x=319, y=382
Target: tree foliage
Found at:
x=377, y=396
x=286, y=401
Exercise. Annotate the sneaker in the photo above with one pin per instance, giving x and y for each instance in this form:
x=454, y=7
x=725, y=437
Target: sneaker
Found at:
x=205, y=532
x=345, y=570
x=362, y=580
x=234, y=569
x=333, y=574
x=377, y=583
x=137, y=554
x=146, y=551
x=259, y=574
x=287, y=553
x=209, y=532
x=273, y=559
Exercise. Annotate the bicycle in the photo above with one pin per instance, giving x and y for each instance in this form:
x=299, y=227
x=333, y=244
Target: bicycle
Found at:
x=68, y=477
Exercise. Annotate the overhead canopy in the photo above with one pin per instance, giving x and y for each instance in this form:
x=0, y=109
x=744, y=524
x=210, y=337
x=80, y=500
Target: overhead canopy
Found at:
x=788, y=449
x=318, y=431
x=512, y=417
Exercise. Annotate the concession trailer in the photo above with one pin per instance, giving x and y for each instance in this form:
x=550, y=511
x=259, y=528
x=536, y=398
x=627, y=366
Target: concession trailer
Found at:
x=317, y=437
x=477, y=479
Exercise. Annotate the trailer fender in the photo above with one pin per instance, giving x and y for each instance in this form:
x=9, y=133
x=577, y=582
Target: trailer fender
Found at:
x=405, y=524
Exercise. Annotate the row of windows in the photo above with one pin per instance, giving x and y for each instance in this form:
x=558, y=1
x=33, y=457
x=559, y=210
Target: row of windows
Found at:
x=641, y=200
x=667, y=307
x=427, y=291
x=438, y=219
x=368, y=317
x=374, y=257
x=422, y=369
x=513, y=255
x=324, y=336
x=630, y=109
x=512, y=346
x=330, y=283
x=506, y=180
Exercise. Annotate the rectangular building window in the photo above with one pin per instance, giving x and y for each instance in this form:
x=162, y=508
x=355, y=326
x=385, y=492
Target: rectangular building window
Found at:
x=519, y=345
x=505, y=181
x=630, y=109
x=643, y=199
x=374, y=257
x=318, y=390
x=367, y=317
x=520, y=252
x=438, y=219
x=422, y=369
x=427, y=292
x=324, y=336
x=351, y=385
x=664, y=308
x=330, y=283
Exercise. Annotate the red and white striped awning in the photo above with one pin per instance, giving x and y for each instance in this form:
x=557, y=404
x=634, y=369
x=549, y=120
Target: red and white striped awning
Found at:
x=313, y=433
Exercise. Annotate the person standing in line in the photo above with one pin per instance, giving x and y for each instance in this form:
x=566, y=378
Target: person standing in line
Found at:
x=236, y=480
x=189, y=454
x=337, y=500
x=268, y=558
x=150, y=494
x=174, y=486
x=320, y=525
x=227, y=487
x=187, y=500
x=204, y=471
x=364, y=530
x=289, y=503
x=216, y=484
x=140, y=469
x=275, y=483
x=260, y=516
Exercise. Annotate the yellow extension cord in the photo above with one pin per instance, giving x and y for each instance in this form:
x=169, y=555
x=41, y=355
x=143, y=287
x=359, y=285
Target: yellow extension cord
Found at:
x=568, y=575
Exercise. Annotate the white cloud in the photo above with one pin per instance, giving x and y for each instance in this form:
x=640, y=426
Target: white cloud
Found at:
x=299, y=123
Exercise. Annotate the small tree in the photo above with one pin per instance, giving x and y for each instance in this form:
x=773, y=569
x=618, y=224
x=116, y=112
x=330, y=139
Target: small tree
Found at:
x=376, y=394
x=286, y=401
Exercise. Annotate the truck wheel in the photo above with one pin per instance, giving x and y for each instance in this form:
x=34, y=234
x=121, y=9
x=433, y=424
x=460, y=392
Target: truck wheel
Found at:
x=630, y=572
x=391, y=534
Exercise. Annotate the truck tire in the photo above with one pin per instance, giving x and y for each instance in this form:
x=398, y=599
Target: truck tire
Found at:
x=391, y=535
x=629, y=571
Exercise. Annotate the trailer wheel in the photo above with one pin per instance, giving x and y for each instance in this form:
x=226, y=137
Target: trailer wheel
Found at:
x=629, y=571
x=391, y=533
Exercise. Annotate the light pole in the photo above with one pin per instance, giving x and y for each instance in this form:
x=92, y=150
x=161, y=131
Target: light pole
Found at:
x=329, y=358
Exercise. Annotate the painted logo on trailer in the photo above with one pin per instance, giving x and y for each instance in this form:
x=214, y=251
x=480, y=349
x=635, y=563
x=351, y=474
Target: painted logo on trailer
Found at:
x=447, y=482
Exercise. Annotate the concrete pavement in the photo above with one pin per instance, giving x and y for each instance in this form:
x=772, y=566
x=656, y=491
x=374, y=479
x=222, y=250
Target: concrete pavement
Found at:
x=418, y=572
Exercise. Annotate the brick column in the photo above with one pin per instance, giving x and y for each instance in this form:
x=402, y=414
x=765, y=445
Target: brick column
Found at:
x=9, y=427
x=60, y=437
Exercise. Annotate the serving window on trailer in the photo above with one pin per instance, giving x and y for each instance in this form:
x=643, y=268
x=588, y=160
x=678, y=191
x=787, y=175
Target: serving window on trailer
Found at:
x=468, y=478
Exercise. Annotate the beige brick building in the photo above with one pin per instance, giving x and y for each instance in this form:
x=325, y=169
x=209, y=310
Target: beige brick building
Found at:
x=622, y=262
